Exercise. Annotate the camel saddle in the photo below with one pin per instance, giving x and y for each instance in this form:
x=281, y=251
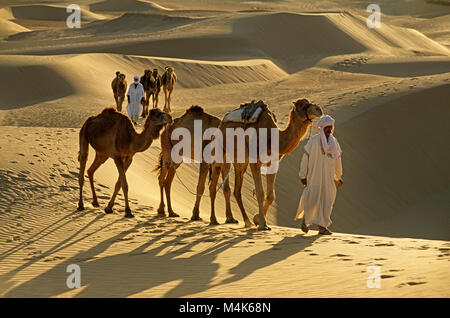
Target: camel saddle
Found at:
x=246, y=113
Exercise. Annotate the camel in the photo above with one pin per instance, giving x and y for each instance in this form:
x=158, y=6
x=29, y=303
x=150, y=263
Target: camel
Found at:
x=119, y=87
x=148, y=82
x=112, y=135
x=167, y=168
x=156, y=89
x=300, y=119
x=152, y=86
x=168, y=81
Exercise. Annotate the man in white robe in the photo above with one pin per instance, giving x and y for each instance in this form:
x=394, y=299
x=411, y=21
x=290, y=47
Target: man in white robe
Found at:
x=136, y=96
x=320, y=166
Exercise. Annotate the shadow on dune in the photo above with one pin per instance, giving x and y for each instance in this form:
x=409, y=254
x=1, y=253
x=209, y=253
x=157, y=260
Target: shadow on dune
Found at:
x=49, y=230
x=21, y=89
x=127, y=274
x=280, y=251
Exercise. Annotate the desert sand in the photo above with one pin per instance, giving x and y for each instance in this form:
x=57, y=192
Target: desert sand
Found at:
x=387, y=88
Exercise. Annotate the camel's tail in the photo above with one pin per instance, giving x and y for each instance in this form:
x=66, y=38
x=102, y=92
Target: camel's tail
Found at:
x=84, y=143
x=158, y=167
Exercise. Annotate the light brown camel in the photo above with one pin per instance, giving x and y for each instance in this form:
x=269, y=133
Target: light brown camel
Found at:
x=167, y=168
x=168, y=81
x=119, y=87
x=300, y=119
x=112, y=135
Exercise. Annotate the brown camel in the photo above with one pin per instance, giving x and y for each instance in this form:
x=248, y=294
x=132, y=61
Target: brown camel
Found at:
x=112, y=135
x=119, y=87
x=156, y=89
x=167, y=168
x=168, y=81
x=152, y=86
x=147, y=82
x=300, y=119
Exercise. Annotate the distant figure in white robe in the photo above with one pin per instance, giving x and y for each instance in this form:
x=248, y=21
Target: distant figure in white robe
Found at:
x=136, y=96
x=321, y=165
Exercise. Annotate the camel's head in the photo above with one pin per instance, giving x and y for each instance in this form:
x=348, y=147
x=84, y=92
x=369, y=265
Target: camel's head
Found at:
x=147, y=73
x=155, y=71
x=169, y=69
x=120, y=76
x=158, y=117
x=306, y=110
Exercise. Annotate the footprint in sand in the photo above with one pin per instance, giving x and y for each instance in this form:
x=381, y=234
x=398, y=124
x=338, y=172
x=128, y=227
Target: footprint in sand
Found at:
x=411, y=284
x=387, y=276
x=339, y=255
x=384, y=244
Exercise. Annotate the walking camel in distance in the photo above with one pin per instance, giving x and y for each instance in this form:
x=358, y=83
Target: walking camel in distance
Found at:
x=168, y=81
x=152, y=86
x=112, y=135
x=156, y=88
x=300, y=119
x=167, y=168
x=119, y=87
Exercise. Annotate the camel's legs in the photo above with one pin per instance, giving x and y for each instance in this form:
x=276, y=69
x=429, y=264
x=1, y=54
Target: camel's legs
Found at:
x=156, y=99
x=162, y=179
x=122, y=168
x=146, y=103
x=256, y=172
x=83, y=160
x=239, y=171
x=270, y=196
x=227, y=193
x=167, y=186
x=213, y=190
x=116, y=98
x=98, y=161
x=168, y=99
x=165, y=98
x=120, y=102
x=203, y=173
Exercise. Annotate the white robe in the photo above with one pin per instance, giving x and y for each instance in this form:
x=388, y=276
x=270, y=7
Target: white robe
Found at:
x=320, y=171
x=134, y=107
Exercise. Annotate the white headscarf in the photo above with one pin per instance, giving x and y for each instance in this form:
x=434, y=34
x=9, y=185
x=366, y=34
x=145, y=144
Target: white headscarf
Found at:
x=330, y=147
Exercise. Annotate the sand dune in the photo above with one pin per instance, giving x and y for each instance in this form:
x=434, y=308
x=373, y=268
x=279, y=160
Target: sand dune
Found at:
x=260, y=35
x=387, y=66
x=75, y=74
x=127, y=5
x=8, y=28
x=48, y=12
x=437, y=28
x=128, y=23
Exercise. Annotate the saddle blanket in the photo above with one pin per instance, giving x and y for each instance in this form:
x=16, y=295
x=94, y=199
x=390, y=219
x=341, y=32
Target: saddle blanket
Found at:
x=248, y=113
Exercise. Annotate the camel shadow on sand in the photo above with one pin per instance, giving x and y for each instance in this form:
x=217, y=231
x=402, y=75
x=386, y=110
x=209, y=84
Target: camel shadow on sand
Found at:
x=141, y=269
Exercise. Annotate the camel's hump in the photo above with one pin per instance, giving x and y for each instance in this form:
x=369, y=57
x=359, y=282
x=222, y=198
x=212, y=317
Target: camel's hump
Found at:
x=195, y=109
x=109, y=110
